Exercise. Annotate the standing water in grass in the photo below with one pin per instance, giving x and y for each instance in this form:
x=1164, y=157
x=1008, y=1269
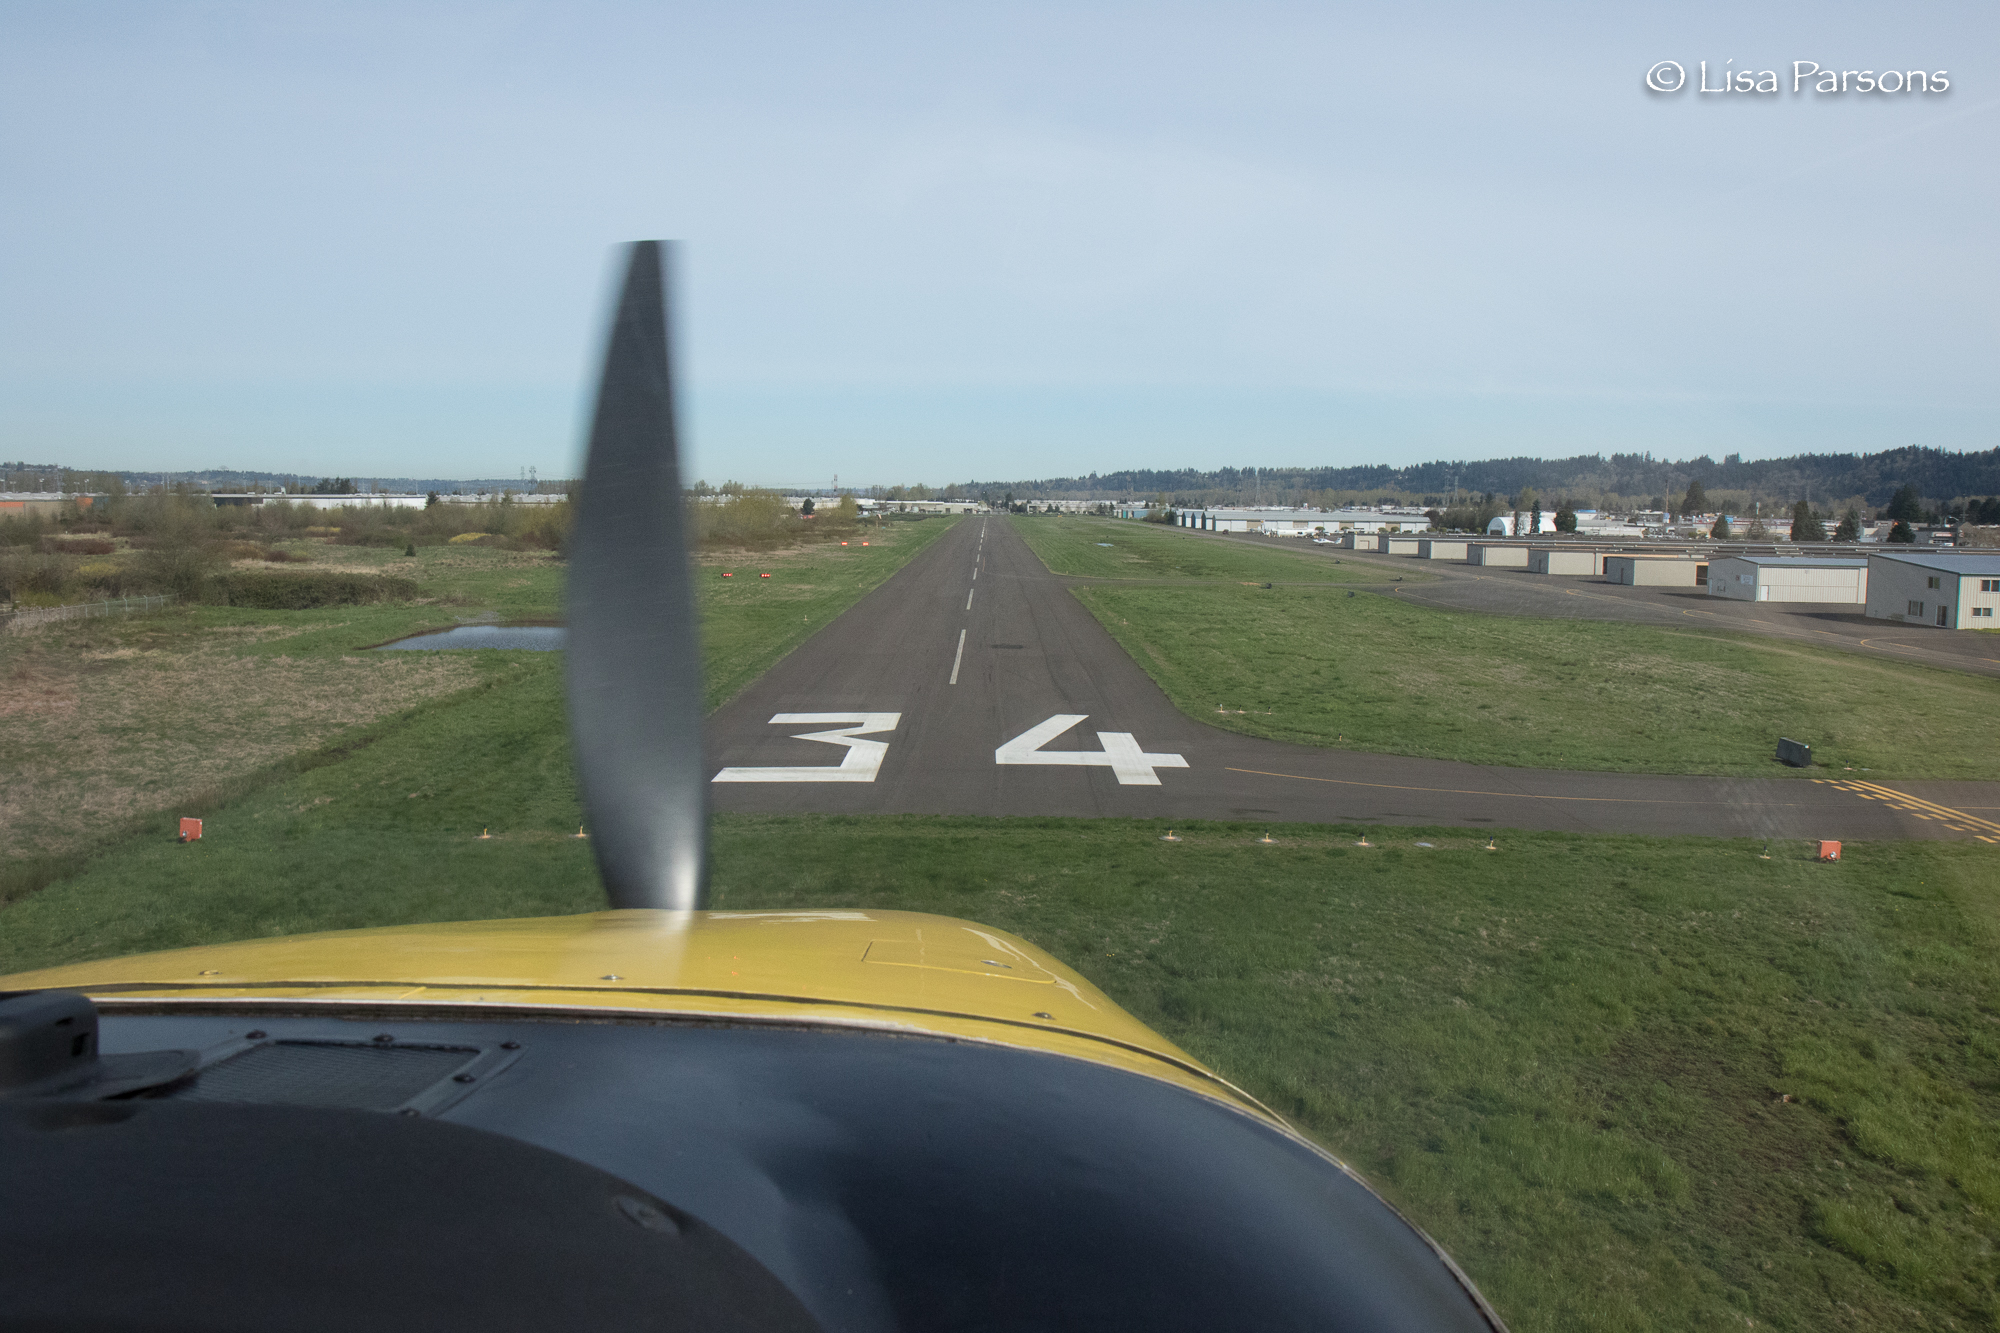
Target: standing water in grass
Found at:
x=541, y=638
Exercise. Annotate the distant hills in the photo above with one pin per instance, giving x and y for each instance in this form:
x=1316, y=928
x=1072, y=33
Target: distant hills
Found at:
x=1828, y=480
x=44, y=476
x=1939, y=475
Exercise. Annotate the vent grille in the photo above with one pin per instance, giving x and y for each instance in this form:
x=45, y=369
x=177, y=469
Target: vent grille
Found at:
x=299, y=1073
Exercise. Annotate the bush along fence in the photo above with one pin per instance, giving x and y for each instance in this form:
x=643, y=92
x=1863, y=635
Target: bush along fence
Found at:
x=29, y=617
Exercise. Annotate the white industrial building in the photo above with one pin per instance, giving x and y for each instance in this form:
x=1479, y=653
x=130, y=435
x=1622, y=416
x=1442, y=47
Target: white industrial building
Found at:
x=313, y=500
x=1789, y=578
x=1304, y=522
x=1503, y=526
x=1951, y=590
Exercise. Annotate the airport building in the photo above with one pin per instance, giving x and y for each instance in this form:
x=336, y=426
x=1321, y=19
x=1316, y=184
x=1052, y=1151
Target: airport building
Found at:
x=1304, y=522
x=45, y=504
x=1571, y=560
x=1951, y=590
x=1655, y=571
x=1786, y=578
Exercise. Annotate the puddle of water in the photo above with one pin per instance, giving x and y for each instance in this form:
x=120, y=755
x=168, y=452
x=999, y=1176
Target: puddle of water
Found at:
x=540, y=638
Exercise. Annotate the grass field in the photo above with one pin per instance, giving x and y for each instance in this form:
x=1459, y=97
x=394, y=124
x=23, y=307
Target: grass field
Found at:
x=1120, y=549
x=1364, y=671
x=105, y=720
x=1631, y=1083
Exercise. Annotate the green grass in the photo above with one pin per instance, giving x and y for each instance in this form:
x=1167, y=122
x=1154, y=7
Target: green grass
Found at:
x=1367, y=672
x=1340, y=667
x=1107, y=548
x=111, y=719
x=1568, y=1058
x=1631, y=1083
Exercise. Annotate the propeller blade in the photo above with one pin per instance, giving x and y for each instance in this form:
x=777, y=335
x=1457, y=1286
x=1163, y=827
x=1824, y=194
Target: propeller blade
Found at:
x=634, y=650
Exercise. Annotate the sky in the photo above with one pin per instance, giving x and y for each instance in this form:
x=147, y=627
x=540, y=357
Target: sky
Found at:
x=934, y=242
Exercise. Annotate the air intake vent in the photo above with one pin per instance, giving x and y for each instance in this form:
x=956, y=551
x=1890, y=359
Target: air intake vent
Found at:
x=329, y=1074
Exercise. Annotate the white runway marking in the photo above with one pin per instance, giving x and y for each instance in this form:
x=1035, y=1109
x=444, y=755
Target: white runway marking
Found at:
x=861, y=763
x=968, y=597
x=1121, y=753
x=955, y=657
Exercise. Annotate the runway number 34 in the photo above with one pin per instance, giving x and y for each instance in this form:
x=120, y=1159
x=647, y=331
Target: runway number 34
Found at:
x=1121, y=754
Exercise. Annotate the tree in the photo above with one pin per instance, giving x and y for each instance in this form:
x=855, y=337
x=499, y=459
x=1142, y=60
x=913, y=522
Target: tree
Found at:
x=807, y=508
x=1695, y=501
x=431, y=500
x=1907, y=506
x=1806, y=526
x=1901, y=533
x=1721, y=529
x=1566, y=518
x=1850, y=527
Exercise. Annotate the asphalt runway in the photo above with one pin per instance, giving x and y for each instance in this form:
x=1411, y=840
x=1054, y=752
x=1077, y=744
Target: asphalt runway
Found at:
x=973, y=683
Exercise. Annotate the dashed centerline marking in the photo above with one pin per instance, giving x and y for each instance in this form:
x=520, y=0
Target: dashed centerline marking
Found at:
x=960, y=654
x=968, y=597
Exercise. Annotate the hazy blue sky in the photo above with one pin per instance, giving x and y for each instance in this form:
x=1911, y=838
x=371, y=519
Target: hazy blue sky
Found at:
x=927, y=242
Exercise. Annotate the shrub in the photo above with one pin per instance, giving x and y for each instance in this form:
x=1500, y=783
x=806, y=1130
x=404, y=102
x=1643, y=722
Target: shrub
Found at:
x=27, y=530
x=78, y=546
x=104, y=578
x=304, y=591
x=36, y=578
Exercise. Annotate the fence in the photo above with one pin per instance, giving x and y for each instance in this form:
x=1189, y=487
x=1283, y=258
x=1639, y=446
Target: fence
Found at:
x=32, y=616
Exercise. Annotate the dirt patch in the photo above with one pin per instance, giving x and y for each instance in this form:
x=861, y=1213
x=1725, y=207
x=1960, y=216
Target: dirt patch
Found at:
x=96, y=732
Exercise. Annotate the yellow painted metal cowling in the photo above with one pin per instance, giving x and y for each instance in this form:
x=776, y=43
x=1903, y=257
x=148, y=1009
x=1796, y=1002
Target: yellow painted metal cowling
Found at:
x=898, y=971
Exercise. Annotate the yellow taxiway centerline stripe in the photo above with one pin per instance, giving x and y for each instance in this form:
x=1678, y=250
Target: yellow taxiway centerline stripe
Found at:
x=1455, y=791
x=1918, y=804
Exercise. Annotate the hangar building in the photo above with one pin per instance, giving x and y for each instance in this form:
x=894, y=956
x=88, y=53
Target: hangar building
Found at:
x=1655, y=571
x=1789, y=578
x=1949, y=589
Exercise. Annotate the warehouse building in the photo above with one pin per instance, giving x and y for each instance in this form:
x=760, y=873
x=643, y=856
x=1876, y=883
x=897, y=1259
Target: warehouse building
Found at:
x=1951, y=590
x=44, y=504
x=1303, y=522
x=1655, y=571
x=1496, y=555
x=1574, y=560
x=1785, y=578
x=1441, y=548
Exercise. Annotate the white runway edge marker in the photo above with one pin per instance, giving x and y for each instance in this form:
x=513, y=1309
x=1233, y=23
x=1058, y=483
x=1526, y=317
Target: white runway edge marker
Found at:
x=960, y=654
x=968, y=597
x=863, y=760
x=1121, y=753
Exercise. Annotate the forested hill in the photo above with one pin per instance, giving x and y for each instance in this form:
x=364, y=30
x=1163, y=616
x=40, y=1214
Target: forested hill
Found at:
x=1939, y=475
